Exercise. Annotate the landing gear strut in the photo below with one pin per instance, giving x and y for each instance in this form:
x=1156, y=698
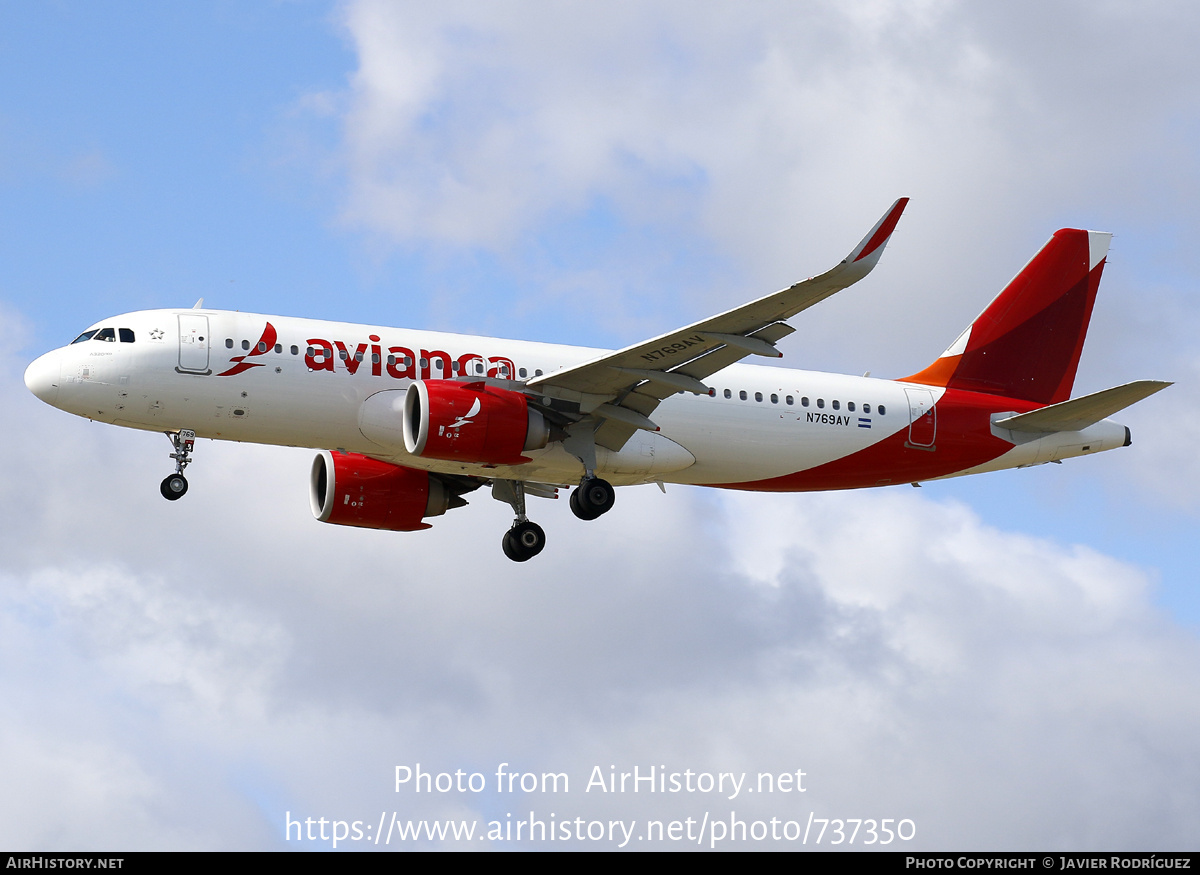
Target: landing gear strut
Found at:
x=175, y=486
x=525, y=539
x=594, y=497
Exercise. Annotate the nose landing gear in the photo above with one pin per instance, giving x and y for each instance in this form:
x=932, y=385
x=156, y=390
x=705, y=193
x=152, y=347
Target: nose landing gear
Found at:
x=175, y=486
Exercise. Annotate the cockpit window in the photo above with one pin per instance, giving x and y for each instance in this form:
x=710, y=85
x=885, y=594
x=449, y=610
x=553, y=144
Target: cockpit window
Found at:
x=106, y=334
x=87, y=335
x=126, y=335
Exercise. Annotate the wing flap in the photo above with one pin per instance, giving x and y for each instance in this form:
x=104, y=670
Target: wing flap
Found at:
x=613, y=432
x=710, y=363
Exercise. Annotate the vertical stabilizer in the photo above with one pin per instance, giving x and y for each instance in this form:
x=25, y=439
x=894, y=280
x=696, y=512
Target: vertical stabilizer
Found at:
x=1027, y=343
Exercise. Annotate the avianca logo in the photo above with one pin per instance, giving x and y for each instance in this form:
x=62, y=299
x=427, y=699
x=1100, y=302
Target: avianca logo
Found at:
x=462, y=420
x=265, y=343
x=398, y=362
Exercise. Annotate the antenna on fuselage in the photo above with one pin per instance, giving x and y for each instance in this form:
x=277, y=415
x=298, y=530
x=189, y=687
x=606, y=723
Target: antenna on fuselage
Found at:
x=198, y=304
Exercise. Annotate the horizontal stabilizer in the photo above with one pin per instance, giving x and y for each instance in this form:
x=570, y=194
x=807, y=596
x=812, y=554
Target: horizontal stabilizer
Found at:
x=1079, y=413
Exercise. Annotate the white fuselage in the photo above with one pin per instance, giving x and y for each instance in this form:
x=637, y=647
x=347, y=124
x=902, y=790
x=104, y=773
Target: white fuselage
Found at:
x=205, y=370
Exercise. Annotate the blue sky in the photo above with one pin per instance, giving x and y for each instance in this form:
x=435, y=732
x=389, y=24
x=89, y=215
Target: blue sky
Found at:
x=568, y=175
x=164, y=118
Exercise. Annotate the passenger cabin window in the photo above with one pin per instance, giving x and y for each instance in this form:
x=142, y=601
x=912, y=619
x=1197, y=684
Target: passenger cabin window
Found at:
x=245, y=344
x=229, y=343
x=791, y=402
x=126, y=335
x=881, y=410
x=850, y=406
x=821, y=402
x=837, y=405
x=728, y=394
x=758, y=396
x=866, y=408
x=742, y=394
x=804, y=401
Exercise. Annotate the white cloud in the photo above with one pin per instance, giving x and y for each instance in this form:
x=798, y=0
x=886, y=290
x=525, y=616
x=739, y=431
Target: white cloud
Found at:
x=184, y=674
x=774, y=134
x=181, y=675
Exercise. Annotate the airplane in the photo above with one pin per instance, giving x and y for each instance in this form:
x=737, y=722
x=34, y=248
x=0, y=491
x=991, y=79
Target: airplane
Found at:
x=408, y=422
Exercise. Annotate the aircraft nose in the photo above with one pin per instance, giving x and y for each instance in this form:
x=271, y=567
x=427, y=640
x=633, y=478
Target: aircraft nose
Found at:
x=42, y=377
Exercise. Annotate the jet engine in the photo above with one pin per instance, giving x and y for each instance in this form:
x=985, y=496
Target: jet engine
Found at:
x=347, y=489
x=470, y=422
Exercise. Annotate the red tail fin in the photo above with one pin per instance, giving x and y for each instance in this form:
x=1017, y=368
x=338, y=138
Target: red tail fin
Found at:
x=1027, y=343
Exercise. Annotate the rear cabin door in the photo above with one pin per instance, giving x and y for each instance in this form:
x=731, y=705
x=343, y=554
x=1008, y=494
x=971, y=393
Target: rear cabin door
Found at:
x=922, y=418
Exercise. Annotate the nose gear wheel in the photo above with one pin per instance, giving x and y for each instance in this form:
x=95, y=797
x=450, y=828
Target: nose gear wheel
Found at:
x=174, y=487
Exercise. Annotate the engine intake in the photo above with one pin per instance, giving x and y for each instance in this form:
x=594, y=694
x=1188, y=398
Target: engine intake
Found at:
x=347, y=489
x=470, y=422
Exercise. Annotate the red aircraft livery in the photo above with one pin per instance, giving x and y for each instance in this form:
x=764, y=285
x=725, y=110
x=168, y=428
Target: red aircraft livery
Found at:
x=409, y=422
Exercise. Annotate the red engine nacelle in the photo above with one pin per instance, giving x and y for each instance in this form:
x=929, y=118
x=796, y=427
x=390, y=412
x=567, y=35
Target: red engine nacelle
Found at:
x=353, y=490
x=470, y=422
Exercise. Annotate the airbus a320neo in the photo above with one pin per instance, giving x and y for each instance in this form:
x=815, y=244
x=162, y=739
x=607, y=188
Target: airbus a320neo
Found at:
x=408, y=422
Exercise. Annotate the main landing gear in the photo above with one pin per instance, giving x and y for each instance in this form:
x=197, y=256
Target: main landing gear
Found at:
x=525, y=539
x=175, y=486
x=593, y=498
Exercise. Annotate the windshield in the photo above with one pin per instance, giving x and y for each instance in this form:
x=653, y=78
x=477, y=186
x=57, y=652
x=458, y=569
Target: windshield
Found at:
x=105, y=334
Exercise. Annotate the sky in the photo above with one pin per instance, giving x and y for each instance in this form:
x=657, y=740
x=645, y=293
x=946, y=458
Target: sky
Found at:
x=1005, y=661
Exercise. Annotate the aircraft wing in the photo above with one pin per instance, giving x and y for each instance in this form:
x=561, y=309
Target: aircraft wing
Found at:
x=622, y=388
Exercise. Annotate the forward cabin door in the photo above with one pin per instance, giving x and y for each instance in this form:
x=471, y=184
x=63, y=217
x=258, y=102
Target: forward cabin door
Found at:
x=193, y=344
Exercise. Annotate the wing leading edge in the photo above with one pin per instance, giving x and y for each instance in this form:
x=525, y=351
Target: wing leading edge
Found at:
x=621, y=389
